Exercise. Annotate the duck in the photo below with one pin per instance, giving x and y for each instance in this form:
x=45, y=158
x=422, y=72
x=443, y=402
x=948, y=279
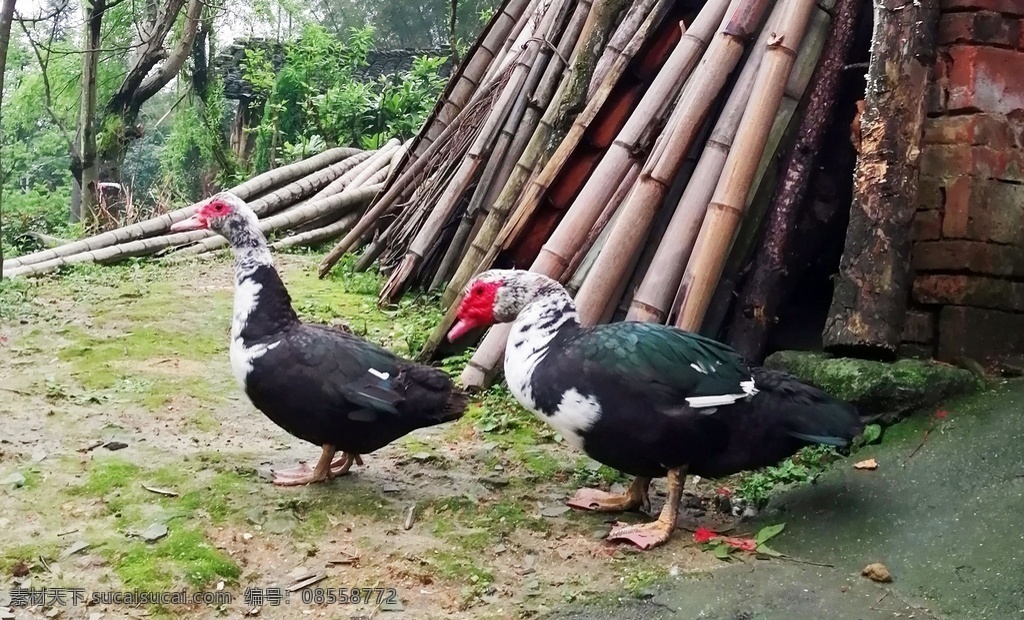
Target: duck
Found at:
x=319, y=383
x=646, y=399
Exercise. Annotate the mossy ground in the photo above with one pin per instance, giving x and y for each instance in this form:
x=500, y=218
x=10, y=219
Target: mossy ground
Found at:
x=137, y=354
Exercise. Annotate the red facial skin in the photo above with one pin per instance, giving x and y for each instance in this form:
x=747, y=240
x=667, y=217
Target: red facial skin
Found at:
x=476, y=309
x=201, y=219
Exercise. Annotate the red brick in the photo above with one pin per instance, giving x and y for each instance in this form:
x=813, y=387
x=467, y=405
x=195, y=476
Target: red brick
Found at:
x=986, y=79
x=949, y=161
x=929, y=193
x=984, y=210
x=975, y=129
x=969, y=256
x=983, y=27
x=938, y=89
x=957, y=207
x=975, y=291
x=919, y=327
x=979, y=333
x=1010, y=7
x=927, y=225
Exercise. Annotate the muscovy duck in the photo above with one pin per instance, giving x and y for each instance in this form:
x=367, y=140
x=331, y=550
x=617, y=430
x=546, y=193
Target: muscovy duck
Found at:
x=646, y=399
x=320, y=384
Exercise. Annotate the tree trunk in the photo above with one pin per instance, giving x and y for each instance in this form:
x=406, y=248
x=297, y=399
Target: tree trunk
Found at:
x=870, y=298
x=759, y=299
x=88, y=175
x=6, y=17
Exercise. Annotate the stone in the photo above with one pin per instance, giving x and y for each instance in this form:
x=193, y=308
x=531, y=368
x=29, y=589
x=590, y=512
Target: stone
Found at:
x=979, y=27
x=887, y=390
x=985, y=79
x=979, y=333
x=917, y=351
x=969, y=256
x=961, y=290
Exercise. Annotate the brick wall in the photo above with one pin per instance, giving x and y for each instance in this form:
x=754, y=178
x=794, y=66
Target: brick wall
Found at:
x=968, y=293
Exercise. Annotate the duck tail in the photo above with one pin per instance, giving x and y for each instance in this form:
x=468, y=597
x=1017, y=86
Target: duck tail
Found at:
x=808, y=413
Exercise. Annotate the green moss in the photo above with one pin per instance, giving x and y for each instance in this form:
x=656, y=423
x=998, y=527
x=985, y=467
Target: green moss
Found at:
x=888, y=389
x=218, y=498
x=318, y=509
x=106, y=475
x=184, y=555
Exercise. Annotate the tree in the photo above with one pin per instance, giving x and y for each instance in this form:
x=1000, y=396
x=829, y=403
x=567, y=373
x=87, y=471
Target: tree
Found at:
x=6, y=18
x=104, y=134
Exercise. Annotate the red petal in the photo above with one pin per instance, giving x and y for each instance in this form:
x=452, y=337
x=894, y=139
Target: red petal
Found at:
x=703, y=535
x=941, y=414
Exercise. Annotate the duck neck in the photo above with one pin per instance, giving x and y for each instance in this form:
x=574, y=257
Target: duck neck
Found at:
x=262, y=306
x=549, y=311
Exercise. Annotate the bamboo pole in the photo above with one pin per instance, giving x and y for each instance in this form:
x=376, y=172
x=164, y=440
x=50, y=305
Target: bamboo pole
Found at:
x=594, y=242
x=484, y=362
x=533, y=147
x=253, y=187
x=359, y=163
x=468, y=77
x=760, y=296
x=633, y=141
x=653, y=298
x=429, y=232
x=624, y=33
x=729, y=201
x=694, y=104
x=493, y=169
x=403, y=184
x=317, y=235
x=517, y=39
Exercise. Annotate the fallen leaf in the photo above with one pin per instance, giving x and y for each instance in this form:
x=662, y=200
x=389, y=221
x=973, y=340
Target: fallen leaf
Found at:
x=867, y=464
x=75, y=548
x=20, y=569
x=877, y=572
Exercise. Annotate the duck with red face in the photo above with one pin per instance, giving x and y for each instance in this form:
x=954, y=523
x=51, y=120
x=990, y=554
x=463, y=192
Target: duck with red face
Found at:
x=646, y=399
x=320, y=384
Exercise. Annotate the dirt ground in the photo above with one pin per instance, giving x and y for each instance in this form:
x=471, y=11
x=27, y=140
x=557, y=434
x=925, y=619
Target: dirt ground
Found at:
x=130, y=460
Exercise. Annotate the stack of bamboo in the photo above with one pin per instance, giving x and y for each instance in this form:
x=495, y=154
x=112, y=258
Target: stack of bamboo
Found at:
x=308, y=202
x=578, y=150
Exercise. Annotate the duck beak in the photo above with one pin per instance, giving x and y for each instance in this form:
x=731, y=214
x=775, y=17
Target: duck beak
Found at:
x=193, y=223
x=461, y=328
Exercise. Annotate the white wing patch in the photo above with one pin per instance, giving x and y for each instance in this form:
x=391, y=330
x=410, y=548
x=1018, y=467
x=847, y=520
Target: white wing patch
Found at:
x=717, y=400
x=383, y=376
x=242, y=357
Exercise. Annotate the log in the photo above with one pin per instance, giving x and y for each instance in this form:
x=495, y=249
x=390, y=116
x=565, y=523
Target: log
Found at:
x=730, y=199
x=759, y=298
x=870, y=299
x=693, y=107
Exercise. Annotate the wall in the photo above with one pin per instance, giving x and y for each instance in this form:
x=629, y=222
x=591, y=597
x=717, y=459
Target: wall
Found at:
x=968, y=294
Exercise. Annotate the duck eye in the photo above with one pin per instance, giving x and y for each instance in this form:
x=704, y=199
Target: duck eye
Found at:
x=219, y=207
x=479, y=290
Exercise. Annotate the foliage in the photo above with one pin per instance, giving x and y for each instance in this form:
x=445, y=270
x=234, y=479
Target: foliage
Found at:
x=756, y=487
x=314, y=99
x=407, y=24
x=724, y=547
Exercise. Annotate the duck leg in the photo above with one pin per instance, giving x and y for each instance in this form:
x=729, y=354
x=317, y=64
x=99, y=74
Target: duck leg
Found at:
x=648, y=535
x=341, y=465
x=302, y=475
x=599, y=501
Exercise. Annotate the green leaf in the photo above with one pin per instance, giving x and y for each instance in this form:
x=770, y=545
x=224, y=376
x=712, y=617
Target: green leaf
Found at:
x=722, y=552
x=768, y=532
x=766, y=550
x=871, y=434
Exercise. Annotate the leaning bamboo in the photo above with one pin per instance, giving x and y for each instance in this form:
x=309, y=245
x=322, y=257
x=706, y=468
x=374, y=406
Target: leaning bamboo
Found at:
x=484, y=362
x=629, y=145
x=496, y=170
x=760, y=296
x=468, y=78
x=533, y=147
x=253, y=187
x=624, y=33
x=517, y=39
x=594, y=241
x=693, y=107
x=356, y=165
x=654, y=296
x=428, y=234
x=728, y=203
